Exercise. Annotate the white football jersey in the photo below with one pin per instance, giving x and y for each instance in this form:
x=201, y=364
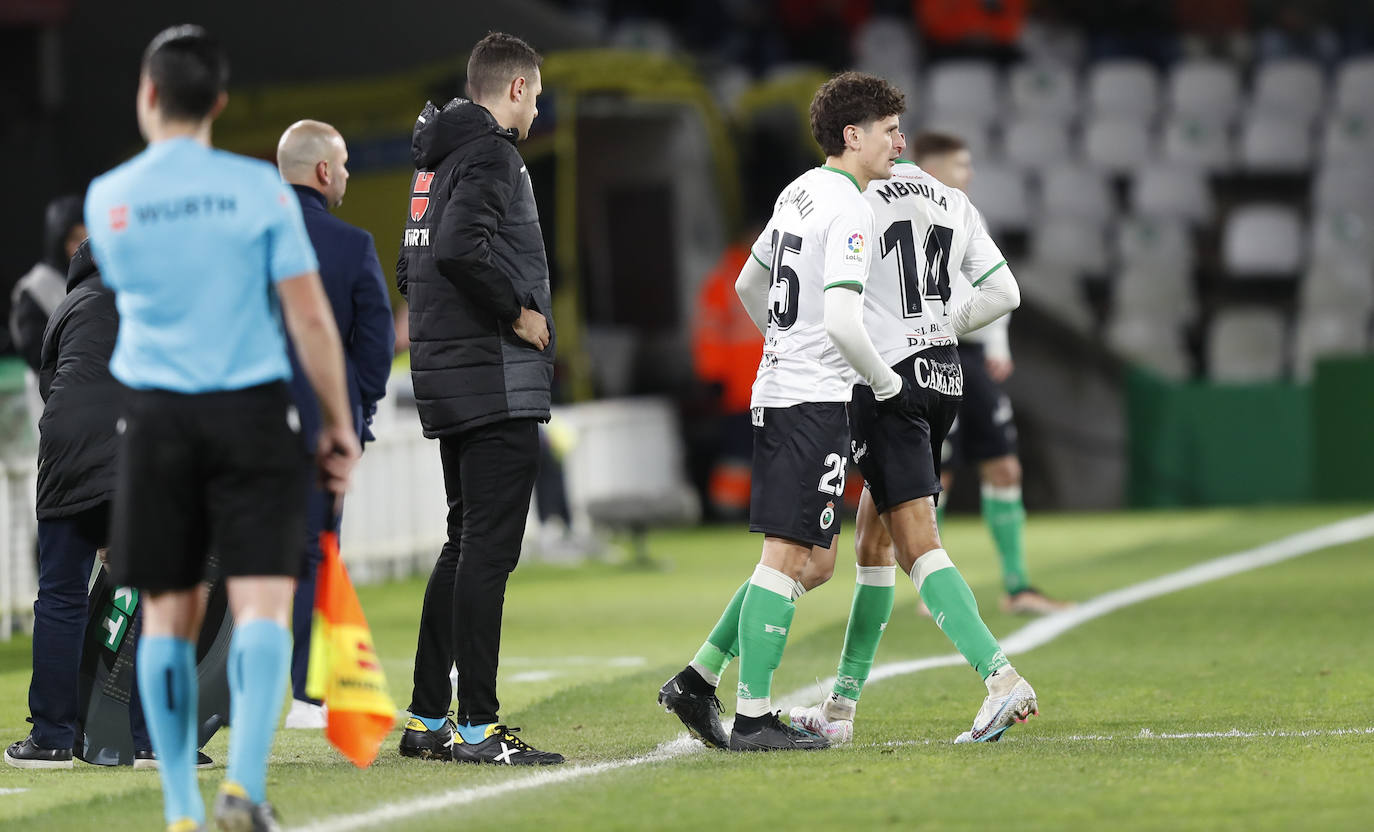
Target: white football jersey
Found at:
x=821, y=235
x=923, y=230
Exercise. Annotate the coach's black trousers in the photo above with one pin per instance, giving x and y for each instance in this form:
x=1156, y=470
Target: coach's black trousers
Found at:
x=489, y=473
x=66, y=553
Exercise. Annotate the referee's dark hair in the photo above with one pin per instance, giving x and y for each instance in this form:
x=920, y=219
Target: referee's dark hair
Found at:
x=496, y=60
x=929, y=143
x=855, y=98
x=189, y=68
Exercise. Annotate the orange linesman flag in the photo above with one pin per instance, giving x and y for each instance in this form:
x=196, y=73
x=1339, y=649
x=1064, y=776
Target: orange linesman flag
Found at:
x=344, y=669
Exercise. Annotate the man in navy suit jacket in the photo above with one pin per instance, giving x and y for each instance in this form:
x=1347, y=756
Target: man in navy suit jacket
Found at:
x=311, y=157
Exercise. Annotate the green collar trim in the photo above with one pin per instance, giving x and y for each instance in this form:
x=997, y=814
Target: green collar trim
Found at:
x=846, y=174
x=903, y=162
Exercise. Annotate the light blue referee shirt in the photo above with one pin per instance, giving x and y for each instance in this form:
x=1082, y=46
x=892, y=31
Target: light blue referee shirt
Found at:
x=193, y=240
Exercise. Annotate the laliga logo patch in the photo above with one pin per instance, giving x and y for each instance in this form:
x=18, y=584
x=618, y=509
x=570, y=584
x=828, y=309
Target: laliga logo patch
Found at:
x=828, y=515
x=420, y=204
x=856, y=243
x=119, y=217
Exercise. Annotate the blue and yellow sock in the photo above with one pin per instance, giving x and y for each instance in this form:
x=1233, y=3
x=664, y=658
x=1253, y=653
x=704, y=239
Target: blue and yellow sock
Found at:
x=431, y=723
x=472, y=734
x=259, y=662
x=167, y=686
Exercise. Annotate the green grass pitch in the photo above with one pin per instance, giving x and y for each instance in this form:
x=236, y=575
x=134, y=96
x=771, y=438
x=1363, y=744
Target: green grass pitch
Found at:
x=1271, y=664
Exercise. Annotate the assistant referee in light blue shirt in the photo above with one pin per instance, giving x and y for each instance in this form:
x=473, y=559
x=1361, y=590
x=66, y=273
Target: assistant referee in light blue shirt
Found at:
x=207, y=253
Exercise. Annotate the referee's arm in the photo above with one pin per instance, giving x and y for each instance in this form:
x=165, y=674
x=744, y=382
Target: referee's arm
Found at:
x=310, y=322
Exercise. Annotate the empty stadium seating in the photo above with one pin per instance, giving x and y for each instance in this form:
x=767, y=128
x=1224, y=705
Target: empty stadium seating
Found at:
x=1171, y=183
x=1246, y=345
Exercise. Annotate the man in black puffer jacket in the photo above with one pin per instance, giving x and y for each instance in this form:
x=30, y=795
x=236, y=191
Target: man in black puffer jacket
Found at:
x=76, y=481
x=473, y=270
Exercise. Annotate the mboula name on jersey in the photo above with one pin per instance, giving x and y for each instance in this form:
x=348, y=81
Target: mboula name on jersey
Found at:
x=894, y=190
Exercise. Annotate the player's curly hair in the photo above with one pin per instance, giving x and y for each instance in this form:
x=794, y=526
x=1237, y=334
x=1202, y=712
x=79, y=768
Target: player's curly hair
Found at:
x=851, y=98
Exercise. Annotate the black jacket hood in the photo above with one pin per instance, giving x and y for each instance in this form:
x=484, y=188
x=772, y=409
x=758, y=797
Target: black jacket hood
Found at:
x=62, y=214
x=82, y=266
x=438, y=132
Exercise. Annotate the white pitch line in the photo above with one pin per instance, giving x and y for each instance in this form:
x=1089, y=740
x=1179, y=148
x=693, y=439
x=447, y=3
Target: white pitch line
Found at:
x=12, y=791
x=389, y=813
x=1148, y=735
x=1036, y=634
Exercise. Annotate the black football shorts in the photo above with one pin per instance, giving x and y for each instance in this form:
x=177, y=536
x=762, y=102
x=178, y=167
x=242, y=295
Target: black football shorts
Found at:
x=797, y=484
x=223, y=472
x=898, y=451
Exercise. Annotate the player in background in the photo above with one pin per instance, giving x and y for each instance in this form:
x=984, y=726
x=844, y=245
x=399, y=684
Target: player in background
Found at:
x=924, y=229
x=984, y=434
x=803, y=288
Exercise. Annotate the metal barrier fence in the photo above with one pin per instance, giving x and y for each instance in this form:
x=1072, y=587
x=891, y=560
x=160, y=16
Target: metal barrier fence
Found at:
x=396, y=515
x=18, y=535
x=623, y=467
x=394, y=520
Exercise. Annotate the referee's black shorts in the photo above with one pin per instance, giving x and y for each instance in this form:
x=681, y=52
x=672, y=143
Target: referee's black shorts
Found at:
x=223, y=472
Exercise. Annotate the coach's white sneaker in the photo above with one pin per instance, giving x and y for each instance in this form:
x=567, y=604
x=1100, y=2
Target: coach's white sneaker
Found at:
x=998, y=712
x=306, y=715
x=813, y=719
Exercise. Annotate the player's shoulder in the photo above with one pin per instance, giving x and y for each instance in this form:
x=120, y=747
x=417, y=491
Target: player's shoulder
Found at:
x=492, y=152
x=908, y=176
x=252, y=171
x=345, y=232
x=109, y=183
x=841, y=196
x=910, y=185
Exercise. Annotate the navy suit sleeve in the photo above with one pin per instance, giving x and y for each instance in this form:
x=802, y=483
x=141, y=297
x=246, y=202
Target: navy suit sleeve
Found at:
x=374, y=335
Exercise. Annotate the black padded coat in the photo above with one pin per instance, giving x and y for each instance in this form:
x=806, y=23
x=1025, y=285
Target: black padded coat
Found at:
x=471, y=257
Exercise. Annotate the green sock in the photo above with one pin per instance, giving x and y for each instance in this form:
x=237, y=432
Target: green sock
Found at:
x=764, y=619
x=1006, y=519
x=712, y=659
x=722, y=645
x=874, y=592
x=955, y=611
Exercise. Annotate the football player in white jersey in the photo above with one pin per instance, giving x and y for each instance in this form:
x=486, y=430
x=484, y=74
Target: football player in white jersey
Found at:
x=984, y=434
x=924, y=230
x=803, y=287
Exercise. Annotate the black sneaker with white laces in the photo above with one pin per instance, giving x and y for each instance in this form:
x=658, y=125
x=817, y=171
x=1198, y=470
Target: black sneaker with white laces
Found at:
x=28, y=754
x=501, y=747
x=423, y=744
x=768, y=733
x=694, y=702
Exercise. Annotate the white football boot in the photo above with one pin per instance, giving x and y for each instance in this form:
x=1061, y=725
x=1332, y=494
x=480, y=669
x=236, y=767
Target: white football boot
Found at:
x=998, y=712
x=830, y=719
